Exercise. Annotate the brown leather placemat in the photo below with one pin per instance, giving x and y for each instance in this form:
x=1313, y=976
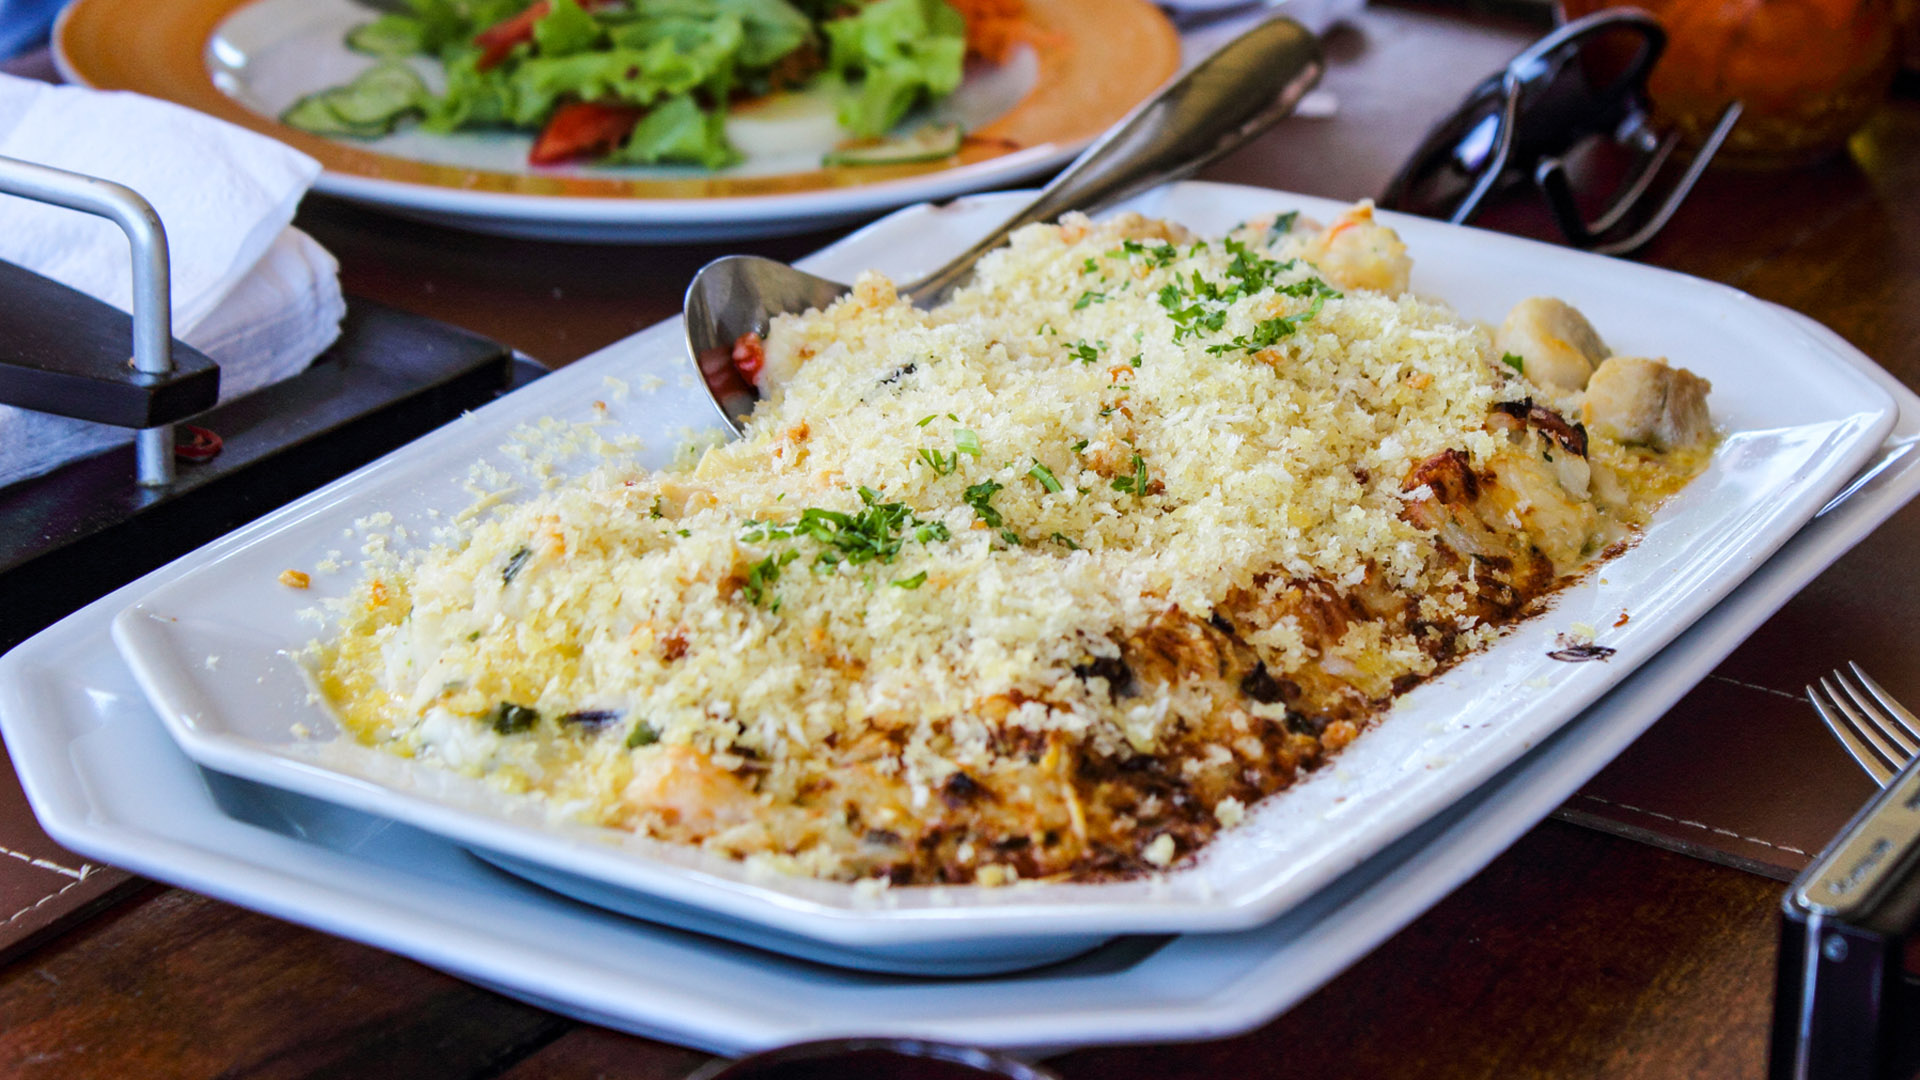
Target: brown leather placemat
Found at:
x=1741, y=771
x=1737, y=773
x=43, y=888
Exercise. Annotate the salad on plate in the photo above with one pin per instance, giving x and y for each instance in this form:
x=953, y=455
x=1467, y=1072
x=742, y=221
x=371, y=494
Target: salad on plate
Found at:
x=649, y=82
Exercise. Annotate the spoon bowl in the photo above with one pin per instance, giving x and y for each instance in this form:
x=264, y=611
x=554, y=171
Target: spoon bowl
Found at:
x=1226, y=99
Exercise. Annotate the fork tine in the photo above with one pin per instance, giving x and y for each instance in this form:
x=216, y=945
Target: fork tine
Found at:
x=1866, y=722
x=1873, y=724
x=1836, y=713
x=1907, y=723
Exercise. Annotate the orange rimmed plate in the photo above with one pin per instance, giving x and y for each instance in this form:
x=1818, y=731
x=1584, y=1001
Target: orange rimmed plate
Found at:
x=1084, y=65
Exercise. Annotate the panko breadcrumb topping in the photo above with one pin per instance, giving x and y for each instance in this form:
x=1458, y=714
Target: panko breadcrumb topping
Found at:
x=1054, y=581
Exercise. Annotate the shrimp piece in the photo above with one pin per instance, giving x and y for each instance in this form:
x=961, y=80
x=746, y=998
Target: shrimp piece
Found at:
x=685, y=791
x=1637, y=400
x=1556, y=344
x=1357, y=252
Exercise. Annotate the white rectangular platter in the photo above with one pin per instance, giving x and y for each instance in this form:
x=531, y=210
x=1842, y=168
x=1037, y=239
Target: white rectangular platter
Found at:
x=210, y=639
x=107, y=782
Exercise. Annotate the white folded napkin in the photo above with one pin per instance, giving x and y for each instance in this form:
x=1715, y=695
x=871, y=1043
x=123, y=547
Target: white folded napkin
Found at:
x=249, y=290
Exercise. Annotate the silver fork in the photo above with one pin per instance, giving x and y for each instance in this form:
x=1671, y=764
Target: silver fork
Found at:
x=1880, y=733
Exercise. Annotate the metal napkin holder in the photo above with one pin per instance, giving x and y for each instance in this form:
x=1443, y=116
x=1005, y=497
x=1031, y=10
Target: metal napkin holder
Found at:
x=63, y=352
x=1845, y=1007
x=91, y=525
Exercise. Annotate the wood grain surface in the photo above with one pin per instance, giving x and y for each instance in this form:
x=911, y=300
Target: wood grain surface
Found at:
x=1575, y=954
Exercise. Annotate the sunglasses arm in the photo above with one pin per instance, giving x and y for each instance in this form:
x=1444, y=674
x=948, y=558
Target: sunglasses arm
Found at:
x=1551, y=176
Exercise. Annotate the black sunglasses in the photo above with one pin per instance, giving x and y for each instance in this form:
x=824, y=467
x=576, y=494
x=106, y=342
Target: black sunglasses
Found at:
x=1584, y=83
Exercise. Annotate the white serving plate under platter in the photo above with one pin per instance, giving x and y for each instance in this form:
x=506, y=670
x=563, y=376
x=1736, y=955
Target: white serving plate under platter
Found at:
x=107, y=781
x=209, y=639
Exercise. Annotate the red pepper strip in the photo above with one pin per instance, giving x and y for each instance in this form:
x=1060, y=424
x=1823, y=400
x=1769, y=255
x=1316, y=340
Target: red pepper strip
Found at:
x=199, y=445
x=583, y=129
x=749, y=356
x=722, y=376
x=497, y=41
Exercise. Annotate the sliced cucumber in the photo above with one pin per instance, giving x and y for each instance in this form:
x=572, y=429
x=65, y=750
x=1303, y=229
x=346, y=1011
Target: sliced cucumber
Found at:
x=365, y=108
x=380, y=94
x=313, y=113
x=928, y=143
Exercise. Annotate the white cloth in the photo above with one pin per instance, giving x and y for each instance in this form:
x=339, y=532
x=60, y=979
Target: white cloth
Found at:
x=249, y=290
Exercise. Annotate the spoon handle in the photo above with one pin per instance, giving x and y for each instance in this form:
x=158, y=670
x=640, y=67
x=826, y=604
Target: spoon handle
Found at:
x=1228, y=98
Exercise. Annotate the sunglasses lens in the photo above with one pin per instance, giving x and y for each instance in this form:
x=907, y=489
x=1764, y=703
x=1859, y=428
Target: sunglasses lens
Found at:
x=1442, y=174
x=1579, y=83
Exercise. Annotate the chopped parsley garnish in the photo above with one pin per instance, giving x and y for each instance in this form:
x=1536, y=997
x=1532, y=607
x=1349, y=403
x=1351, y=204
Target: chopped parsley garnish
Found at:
x=980, y=497
x=1190, y=319
x=510, y=719
x=643, y=734
x=684, y=532
x=1011, y=537
x=1161, y=254
x=1282, y=225
x=1064, y=541
x=1089, y=267
x=765, y=572
x=1136, y=483
x=1084, y=352
x=1080, y=447
x=1089, y=297
x=1137, y=357
x=1514, y=361
x=913, y=582
x=943, y=464
x=656, y=511
x=1200, y=306
x=515, y=563
x=1269, y=331
x=873, y=534
x=1044, y=475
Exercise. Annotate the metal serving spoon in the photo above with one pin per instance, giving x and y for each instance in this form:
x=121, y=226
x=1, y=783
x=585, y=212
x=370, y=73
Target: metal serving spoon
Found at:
x=1225, y=100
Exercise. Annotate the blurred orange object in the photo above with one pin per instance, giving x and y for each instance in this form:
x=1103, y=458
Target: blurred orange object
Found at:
x=1810, y=72
x=993, y=27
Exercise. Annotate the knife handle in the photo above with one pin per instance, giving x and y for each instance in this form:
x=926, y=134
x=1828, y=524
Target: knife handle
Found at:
x=1845, y=1007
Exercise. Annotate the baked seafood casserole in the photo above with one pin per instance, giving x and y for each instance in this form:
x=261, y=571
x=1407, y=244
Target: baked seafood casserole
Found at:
x=1052, y=582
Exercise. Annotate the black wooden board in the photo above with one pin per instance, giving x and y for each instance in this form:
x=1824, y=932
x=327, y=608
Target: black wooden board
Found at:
x=87, y=528
x=62, y=351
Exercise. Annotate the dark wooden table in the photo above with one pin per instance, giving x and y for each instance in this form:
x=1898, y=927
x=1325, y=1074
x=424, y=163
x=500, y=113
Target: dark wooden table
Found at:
x=1574, y=954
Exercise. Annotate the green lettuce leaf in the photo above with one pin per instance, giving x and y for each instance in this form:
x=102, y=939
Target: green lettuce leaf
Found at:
x=771, y=28
x=894, y=54
x=473, y=98
x=389, y=35
x=637, y=76
x=679, y=130
x=566, y=30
